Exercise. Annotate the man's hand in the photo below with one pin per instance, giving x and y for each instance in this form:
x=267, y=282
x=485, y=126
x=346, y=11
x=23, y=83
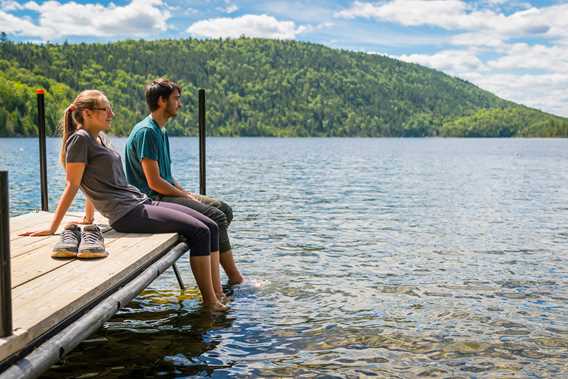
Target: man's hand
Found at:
x=191, y=196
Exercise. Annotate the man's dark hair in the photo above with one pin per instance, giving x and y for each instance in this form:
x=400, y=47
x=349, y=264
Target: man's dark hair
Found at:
x=159, y=88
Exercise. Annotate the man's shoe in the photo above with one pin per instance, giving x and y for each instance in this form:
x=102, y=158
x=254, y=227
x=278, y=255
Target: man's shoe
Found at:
x=68, y=244
x=92, y=243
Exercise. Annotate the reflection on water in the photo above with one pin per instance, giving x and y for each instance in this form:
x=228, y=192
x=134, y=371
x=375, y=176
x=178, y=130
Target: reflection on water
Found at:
x=367, y=257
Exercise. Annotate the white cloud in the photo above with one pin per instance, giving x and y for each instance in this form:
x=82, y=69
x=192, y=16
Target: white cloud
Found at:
x=530, y=73
x=552, y=59
x=15, y=25
x=9, y=5
x=458, y=15
x=491, y=40
x=443, y=13
x=546, y=91
x=262, y=26
x=57, y=20
x=451, y=61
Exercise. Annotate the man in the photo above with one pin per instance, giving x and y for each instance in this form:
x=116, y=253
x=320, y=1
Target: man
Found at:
x=148, y=167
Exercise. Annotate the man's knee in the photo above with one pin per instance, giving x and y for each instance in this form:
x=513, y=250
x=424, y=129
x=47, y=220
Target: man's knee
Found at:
x=218, y=216
x=227, y=211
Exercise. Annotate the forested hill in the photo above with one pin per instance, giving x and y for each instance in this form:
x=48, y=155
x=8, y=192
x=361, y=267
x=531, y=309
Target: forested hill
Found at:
x=259, y=87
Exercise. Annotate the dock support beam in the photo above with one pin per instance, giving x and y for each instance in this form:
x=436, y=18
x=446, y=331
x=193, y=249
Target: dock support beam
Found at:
x=5, y=278
x=51, y=351
x=42, y=149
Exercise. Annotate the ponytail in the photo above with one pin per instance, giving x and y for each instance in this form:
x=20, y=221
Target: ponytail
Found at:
x=68, y=127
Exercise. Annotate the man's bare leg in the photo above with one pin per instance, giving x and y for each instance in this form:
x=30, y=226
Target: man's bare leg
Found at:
x=230, y=267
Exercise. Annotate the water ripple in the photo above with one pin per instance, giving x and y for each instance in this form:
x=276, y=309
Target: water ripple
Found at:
x=366, y=257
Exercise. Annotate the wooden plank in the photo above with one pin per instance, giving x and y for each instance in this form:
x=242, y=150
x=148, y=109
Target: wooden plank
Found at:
x=32, y=219
x=33, y=259
x=28, y=220
x=43, y=303
x=20, y=245
x=39, y=262
x=35, y=243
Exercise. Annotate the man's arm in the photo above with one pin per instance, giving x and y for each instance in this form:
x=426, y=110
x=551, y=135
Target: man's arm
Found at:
x=189, y=194
x=157, y=183
x=176, y=183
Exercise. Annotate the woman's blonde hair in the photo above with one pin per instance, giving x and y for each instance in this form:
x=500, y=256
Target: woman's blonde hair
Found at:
x=73, y=116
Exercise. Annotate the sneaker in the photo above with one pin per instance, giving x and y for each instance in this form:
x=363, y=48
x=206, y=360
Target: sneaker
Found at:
x=92, y=243
x=67, y=246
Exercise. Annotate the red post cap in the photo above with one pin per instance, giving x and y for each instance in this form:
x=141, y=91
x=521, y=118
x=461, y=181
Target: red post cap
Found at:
x=40, y=91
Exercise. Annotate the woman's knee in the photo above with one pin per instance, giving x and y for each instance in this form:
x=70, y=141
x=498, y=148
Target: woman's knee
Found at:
x=213, y=227
x=198, y=233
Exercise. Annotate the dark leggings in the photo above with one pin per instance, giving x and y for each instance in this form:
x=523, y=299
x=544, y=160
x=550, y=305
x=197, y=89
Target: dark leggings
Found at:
x=216, y=210
x=160, y=217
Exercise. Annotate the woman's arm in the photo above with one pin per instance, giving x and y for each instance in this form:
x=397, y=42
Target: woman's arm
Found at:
x=74, y=176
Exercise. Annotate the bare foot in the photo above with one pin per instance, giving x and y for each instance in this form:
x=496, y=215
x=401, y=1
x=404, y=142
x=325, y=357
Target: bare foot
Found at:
x=222, y=298
x=235, y=281
x=217, y=307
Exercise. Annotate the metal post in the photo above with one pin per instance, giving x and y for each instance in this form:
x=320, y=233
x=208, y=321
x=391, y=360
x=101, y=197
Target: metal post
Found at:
x=42, y=150
x=5, y=280
x=178, y=277
x=201, y=117
x=201, y=121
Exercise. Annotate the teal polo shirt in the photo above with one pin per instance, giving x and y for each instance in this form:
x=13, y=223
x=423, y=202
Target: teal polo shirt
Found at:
x=147, y=140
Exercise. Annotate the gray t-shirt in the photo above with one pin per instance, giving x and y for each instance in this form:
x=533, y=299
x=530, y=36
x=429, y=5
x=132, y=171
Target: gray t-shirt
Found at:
x=104, y=181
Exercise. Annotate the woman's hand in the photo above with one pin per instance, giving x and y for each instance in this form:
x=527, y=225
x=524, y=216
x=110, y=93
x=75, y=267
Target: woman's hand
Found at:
x=73, y=180
x=38, y=233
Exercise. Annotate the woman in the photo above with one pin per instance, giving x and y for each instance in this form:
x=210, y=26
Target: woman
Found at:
x=94, y=167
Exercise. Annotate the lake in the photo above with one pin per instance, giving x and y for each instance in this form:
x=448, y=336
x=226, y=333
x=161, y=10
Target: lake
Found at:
x=364, y=257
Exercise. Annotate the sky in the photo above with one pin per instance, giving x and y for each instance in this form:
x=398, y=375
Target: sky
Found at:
x=516, y=49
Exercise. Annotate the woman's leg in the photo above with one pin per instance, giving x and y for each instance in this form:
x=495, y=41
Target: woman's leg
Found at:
x=214, y=233
x=222, y=214
x=158, y=219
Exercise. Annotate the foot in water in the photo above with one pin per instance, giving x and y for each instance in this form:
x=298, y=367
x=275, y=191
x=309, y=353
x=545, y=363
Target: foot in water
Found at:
x=217, y=307
x=245, y=287
x=222, y=298
x=237, y=281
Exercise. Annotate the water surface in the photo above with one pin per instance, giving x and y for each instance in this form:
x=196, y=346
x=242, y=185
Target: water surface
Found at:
x=385, y=257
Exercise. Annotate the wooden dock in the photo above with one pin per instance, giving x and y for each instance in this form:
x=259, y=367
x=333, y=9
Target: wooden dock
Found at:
x=48, y=295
